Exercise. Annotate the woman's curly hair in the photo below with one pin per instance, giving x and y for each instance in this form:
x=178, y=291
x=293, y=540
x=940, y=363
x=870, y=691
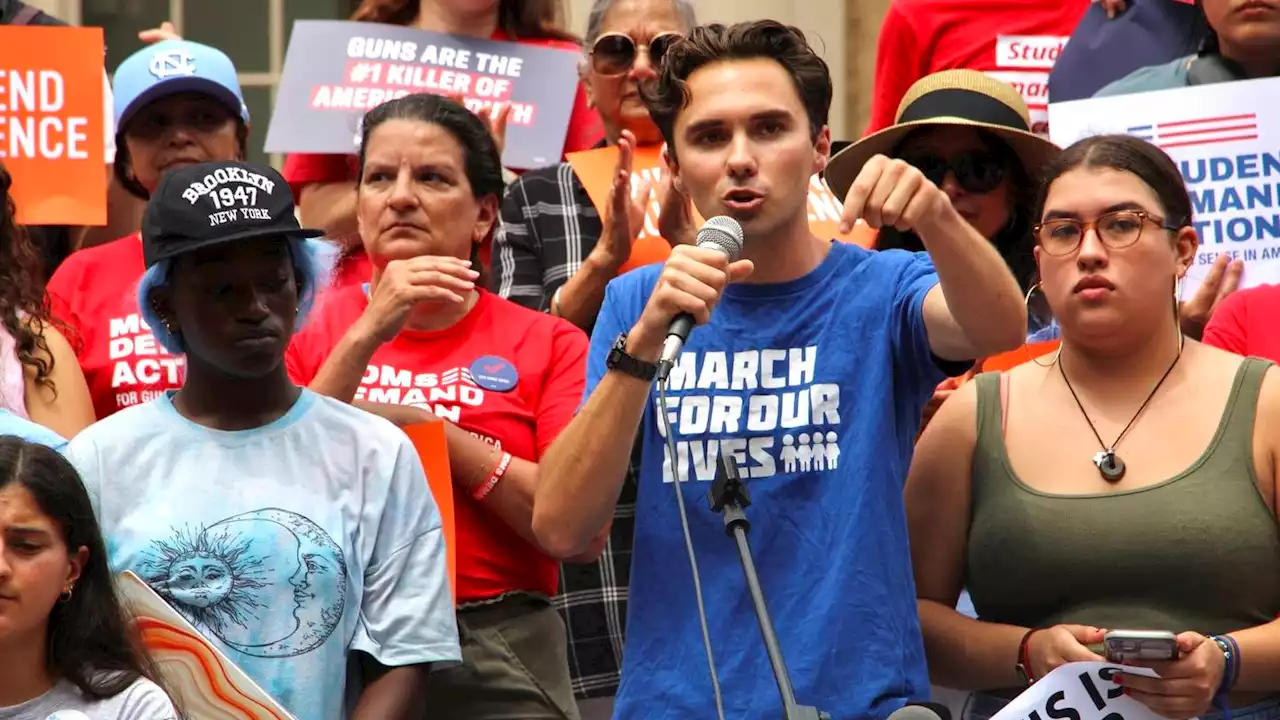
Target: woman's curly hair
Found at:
x=23, y=311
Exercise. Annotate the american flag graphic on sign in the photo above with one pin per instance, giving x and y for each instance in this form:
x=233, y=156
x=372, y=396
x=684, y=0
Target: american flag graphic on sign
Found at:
x=1203, y=131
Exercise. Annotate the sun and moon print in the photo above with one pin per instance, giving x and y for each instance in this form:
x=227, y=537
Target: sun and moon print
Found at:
x=268, y=583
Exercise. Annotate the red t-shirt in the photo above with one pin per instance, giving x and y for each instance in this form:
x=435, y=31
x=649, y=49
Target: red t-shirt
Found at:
x=1245, y=323
x=1016, y=41
x=454, y=373
x=94, y=292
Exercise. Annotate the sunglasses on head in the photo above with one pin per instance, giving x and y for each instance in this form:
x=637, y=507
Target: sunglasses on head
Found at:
x=976, y=172
x=616, y=53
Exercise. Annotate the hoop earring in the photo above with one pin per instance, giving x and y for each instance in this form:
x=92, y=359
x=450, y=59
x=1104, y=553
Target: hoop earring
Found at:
x=65, y=597
x=1027, y=302
x=1177, y=301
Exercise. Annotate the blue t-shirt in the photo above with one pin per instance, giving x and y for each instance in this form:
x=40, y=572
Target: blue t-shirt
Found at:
x=288, y=546
x=815, y=387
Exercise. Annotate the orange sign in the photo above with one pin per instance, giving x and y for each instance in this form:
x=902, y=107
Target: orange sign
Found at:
x=595, y=170
x=428, y=439
x=198, y=677
x=51, y=133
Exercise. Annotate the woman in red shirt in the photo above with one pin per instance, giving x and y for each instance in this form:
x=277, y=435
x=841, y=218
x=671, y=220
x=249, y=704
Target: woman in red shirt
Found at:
x=325, y=184
x=425, y=339
x=177, y=103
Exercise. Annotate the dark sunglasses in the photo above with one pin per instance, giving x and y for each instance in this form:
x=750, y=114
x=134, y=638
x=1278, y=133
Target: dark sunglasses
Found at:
x=978, y=172
x=616, y=53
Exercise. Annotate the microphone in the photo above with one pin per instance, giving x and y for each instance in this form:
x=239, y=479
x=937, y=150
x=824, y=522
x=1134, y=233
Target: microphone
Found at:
x=721, y=233
x=921, y=711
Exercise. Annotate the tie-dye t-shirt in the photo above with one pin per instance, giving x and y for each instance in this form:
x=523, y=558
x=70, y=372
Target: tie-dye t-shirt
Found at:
x=288, y=546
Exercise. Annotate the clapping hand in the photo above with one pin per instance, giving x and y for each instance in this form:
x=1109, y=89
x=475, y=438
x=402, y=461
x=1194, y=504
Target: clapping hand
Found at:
x=624, y=210
x=1222, y=280
x=675, y=219
x=496, y=122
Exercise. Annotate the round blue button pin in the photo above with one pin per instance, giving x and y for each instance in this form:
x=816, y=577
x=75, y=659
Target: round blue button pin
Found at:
x=494, y=373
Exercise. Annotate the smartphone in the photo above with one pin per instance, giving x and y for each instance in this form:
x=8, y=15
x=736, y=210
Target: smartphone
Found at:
x=1129, y=645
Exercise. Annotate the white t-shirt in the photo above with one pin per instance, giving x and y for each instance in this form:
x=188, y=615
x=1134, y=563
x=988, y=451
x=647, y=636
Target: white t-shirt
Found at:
x=288, y=546
x=143, y=700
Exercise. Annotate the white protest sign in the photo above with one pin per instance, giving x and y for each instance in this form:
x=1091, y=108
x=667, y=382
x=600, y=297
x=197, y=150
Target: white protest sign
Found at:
x=1079, y=691
x=1225, y=139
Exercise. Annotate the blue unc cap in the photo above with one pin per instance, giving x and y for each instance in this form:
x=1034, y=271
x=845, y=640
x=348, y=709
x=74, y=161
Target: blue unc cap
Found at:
x=175, y=66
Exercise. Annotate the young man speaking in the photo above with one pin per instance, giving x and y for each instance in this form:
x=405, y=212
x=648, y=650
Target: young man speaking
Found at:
x=811, y=373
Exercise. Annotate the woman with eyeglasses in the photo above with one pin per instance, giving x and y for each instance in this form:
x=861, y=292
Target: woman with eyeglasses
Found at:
x=970, y=134
x=1126, y=482
x=325, y=185
x=553, y=251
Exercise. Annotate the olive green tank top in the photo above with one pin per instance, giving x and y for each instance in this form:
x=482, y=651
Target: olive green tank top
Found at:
x=1199, y=551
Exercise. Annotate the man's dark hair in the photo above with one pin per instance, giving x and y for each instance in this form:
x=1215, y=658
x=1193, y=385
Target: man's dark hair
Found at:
x=707, y=44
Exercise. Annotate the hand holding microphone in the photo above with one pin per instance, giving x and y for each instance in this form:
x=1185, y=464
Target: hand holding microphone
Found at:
x=691, y=283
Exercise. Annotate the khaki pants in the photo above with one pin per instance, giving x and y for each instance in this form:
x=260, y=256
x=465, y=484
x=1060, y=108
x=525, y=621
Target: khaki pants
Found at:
x=515, y=665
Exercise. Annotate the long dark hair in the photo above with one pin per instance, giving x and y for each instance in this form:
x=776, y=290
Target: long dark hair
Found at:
x=90, y=640
x=1014, y=241
x=480, y=158
x=517, y=18
x=23, y=309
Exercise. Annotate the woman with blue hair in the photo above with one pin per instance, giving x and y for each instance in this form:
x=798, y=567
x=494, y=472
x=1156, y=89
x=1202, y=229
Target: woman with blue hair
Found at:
x=295, y=532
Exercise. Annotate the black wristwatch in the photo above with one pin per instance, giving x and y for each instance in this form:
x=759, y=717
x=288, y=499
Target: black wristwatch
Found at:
x=621, y=361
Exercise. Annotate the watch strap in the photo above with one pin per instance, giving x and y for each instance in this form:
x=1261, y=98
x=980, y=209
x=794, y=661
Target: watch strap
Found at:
x=619, y=359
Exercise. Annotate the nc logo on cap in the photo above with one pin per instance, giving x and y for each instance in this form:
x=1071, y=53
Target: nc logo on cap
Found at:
x=172, y=63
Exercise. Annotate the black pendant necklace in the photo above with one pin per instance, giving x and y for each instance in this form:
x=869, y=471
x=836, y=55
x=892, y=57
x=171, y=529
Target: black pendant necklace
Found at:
x=1109, y=464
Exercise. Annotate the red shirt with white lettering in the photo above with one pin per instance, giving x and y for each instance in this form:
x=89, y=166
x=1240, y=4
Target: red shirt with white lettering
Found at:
x=94, y=292
x=1016, y=41
x=511, y=376
x=1245, y=323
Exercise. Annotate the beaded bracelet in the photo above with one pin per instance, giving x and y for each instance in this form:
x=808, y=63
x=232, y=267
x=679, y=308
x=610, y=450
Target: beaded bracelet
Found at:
x=1230, y=673
x=483, y=490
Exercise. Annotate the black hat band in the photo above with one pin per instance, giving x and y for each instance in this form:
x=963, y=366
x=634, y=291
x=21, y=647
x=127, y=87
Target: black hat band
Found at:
x=967, y=104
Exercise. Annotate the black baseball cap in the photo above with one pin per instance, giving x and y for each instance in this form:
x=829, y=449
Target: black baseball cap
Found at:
x=217, y=202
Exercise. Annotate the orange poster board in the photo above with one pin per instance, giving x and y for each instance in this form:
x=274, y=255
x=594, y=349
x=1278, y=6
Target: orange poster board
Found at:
x=1014, y=358
x=199, y=678
x=428, y=439
x=51, y=123
x=595, y=168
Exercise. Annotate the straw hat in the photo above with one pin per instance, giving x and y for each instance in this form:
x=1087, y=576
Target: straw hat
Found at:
x=952, y=97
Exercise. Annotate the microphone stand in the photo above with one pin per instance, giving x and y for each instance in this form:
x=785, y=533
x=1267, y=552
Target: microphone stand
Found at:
x=729, y=497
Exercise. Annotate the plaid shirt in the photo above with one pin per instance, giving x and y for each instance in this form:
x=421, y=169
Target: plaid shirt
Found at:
x=548, y=227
